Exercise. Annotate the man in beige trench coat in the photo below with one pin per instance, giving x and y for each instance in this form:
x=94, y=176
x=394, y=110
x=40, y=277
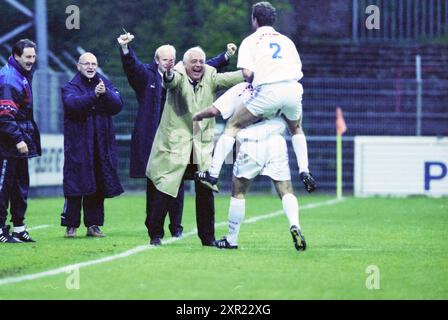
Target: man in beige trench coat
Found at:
x=181, y=146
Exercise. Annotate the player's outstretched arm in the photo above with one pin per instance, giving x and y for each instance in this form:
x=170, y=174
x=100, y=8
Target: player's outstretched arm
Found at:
x=210, y=112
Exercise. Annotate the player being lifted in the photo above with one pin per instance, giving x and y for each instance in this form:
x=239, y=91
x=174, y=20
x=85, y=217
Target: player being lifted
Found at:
x=263, y=151
x=271, y=62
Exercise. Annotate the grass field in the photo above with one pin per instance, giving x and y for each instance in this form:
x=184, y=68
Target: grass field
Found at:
x=406, y=239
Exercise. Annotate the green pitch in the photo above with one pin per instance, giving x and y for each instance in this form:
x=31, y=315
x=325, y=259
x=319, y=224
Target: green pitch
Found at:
x=398, y=246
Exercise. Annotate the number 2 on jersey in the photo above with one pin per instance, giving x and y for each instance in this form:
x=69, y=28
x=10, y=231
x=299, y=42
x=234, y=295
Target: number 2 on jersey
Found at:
x=277, y=47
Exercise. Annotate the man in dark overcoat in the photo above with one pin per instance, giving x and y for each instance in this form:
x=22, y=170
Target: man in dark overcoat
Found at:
x=90, y=166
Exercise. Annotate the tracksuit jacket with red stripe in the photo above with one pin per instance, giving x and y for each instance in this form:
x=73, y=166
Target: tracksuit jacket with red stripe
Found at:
x=16, y=112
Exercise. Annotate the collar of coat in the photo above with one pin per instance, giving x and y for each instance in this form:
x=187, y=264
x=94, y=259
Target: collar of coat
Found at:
x=153, y=66
x=27, y=74
x=81, y=81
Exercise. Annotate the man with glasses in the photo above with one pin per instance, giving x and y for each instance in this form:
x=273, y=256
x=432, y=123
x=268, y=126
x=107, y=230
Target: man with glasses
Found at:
x=90, y=165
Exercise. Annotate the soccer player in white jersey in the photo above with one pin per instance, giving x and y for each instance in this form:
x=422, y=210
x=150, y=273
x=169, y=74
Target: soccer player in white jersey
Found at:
x=271, y=62
x=263, y=151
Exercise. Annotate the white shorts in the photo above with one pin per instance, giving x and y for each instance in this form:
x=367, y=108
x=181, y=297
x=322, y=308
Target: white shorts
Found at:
x=269, y=100
x=235, y=98
x=268, y=157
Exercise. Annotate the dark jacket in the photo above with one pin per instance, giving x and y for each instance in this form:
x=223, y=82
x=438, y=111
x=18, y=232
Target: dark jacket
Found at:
x=16, y=112
x=147, y=84
x=89, y=138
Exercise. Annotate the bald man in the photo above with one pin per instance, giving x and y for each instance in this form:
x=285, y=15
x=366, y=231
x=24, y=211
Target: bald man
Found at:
x=90, y=164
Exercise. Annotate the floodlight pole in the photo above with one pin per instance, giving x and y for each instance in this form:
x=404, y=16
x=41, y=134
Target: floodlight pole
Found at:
x=40, y=20
x=355, y=21
x=41, y=33
x=339, y=166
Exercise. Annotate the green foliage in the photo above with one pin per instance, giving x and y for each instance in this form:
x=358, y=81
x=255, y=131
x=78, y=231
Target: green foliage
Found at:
x=225, y=24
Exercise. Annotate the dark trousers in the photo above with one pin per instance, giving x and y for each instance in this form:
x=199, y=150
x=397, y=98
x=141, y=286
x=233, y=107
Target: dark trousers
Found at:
x=14, y=186
x=205, y=212
x=162, y=203
x=93, y=208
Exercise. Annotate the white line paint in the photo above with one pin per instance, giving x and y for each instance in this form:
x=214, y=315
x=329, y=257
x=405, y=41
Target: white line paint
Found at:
x=142, y=248
x=38, y=227
x=280, y=212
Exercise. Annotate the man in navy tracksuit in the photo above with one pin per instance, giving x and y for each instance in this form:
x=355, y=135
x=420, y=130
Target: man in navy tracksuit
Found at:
x=19, y=139
x=90, y=152
x=146, y=80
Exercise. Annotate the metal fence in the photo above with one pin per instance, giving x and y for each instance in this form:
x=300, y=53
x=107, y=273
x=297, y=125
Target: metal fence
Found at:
x=48, y=107
x=401, y=19
x=371, y=107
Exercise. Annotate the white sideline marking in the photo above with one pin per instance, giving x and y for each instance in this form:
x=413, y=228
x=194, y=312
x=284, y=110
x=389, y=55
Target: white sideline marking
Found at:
x=280, y=212
x=38, y=227
x=141, y=248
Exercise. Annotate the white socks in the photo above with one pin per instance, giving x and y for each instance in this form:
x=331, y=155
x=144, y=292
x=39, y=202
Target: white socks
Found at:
x=291, y=208
x=19, y=229
x=237, y=211
x=236, y=216
x=222, y=149
x=301, y=150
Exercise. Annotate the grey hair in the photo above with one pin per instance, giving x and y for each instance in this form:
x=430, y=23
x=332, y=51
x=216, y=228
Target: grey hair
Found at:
x=188, y=53
x=164, y=47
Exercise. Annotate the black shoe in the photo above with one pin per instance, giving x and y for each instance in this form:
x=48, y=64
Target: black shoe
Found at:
x=94, y=231
x=207, y=180
x=177, y=234
x=224, y=244
x=5, y=237
x=155, y=242
x=23, y=236
x=70, y=232
x=308, y=181
x=298, y=238
x=205, y=176
x=210, y=186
